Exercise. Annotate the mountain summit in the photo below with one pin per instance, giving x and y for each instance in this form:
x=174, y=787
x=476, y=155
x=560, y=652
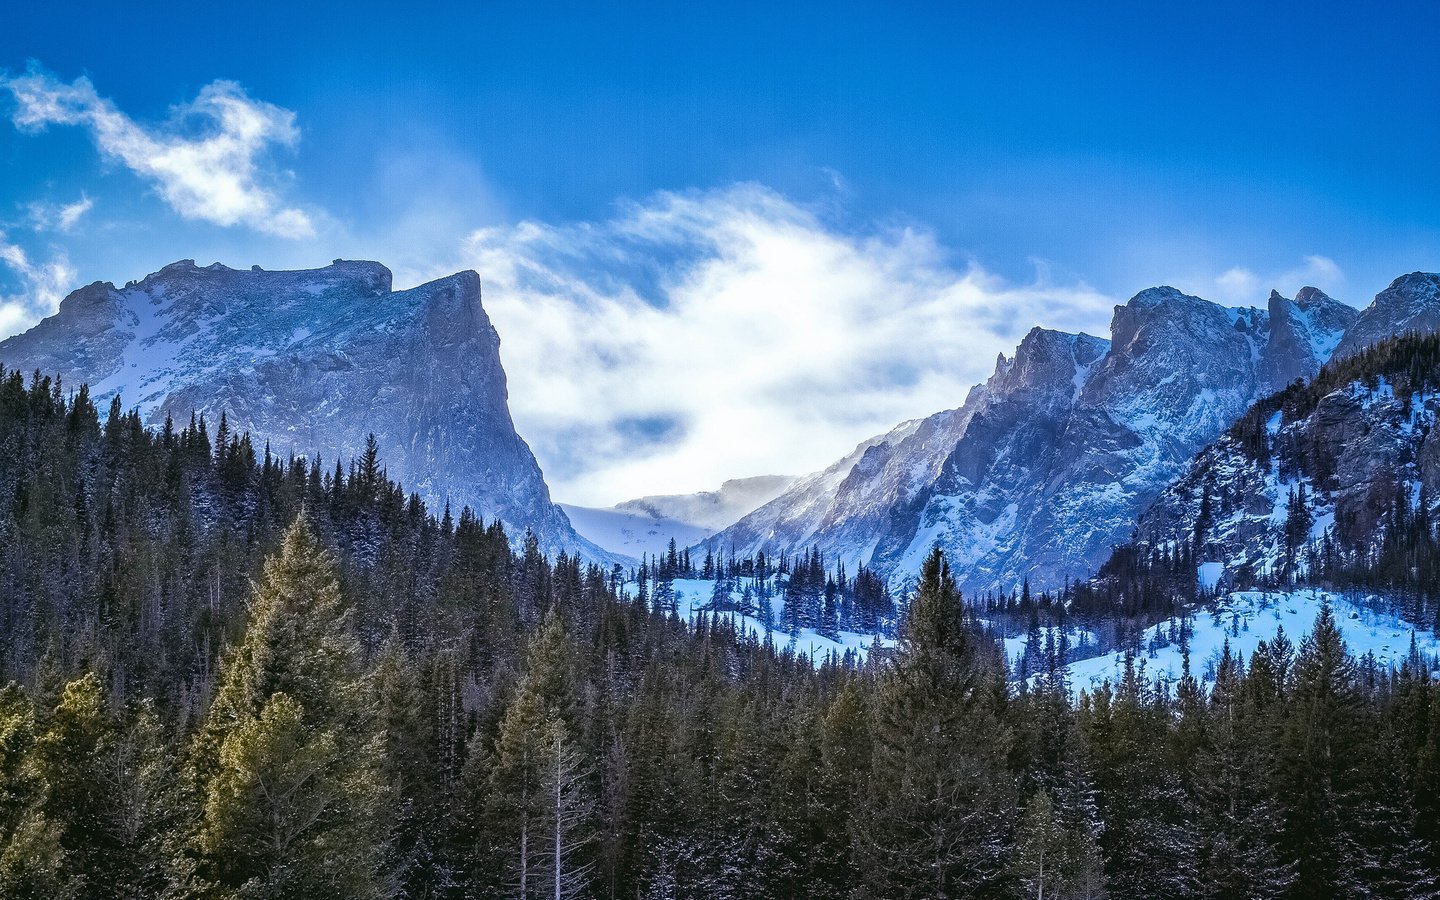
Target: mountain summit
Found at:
x=313, y=361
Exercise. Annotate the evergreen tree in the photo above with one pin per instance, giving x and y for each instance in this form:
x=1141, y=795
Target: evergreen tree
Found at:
x=1321, y=741
x=289, y=773
x=937, y=808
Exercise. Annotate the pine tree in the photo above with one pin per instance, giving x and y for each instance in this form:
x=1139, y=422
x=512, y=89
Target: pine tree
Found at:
x=1053, y=861
x=536, y=827
x=407, y=769
x=937, y=809
x=1320, y=752
x=33, y=863
x=290, y=779
x=1234, y=773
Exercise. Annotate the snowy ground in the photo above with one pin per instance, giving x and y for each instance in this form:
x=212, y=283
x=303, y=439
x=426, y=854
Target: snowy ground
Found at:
x=1015, y=646
x=1245, y=619
x=693, y=595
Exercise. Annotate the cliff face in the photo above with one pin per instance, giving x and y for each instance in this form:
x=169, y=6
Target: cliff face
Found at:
x=313, y=361
x=1410, y=304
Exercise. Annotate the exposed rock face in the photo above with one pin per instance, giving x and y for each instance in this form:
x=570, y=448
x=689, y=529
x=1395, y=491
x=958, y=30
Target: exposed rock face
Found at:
x=1303, y=334
x=313, y=361
x=1410, y=303
x=1345, y=458
x=1051, y=462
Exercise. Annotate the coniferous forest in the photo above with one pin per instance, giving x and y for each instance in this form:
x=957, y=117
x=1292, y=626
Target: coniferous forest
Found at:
x=234, y=675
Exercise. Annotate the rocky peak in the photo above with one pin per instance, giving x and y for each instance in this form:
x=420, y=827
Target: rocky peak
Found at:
x=1303, y=335
x=1410, y=303
x=313, y=361
x=1048, y=366
x=1308, y=298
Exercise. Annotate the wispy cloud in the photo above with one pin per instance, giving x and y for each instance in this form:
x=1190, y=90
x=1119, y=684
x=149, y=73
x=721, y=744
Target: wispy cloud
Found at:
x=701, y=336
x=43, y=285
x=207, y=161
x=63, y=217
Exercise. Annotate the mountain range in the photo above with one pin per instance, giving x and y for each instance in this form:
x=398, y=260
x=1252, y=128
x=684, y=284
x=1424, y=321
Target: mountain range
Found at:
x=1052, y=461
x=646, y=525
x=1037, y=475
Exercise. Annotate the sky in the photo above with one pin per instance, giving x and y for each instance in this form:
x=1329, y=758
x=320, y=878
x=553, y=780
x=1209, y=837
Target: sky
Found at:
x=722, y=240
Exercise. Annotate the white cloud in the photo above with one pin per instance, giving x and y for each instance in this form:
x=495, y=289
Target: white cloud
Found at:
x=213, y=173
x=43, y=286
x=703, y=336
x=59, y=217
x=1242, y=286
x=71, y=213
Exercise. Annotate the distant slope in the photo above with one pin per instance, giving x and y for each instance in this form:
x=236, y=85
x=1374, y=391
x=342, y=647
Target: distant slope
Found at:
x=1340, y=474
x=1369, y=625
x=646, y=525
x=629, y=533
x=1049, y=463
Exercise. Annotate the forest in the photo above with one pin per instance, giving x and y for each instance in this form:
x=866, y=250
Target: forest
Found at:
x=232, y=675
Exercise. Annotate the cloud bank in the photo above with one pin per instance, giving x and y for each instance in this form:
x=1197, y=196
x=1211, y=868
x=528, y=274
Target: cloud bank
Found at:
x=702, y=336
x=206, y=162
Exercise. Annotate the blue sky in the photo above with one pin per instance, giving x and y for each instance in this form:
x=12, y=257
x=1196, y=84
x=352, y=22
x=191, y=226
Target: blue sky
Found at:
x=1059, y=157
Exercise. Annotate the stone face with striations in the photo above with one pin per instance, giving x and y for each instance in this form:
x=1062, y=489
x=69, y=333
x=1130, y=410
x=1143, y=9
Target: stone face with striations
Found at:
x=1303, y=334
x=313, y=361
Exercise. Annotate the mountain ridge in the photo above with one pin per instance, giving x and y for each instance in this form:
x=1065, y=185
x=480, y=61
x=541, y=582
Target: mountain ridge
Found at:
x=1024, y=482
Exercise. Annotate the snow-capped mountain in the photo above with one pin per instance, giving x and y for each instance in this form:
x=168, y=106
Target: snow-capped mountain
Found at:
x=1050, y=462
x=1322, y=462
x=648, y=524
x=713, y=509
x=313, y=361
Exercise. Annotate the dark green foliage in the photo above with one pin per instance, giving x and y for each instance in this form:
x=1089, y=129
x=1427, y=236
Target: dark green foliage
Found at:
x=399, y=705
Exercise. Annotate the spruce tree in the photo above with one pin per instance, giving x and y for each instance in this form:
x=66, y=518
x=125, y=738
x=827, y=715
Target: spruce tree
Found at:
x=937, y=808
x=286, y=761
x=1321, y=753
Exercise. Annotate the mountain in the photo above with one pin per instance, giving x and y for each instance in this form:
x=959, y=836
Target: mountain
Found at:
x=1049, y=463
x=1410, y=303
x=647, y=524
x=1336, y=474
x=1304, y=333
x=312, y=361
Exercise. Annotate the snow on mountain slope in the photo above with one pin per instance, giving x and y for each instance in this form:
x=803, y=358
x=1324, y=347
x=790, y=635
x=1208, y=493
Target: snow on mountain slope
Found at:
x=1343, y=459
x=713, y=509
x=631, y=533
x=1410, y=303
x=313, y=361
x=1304, y=333
x=695, y=596
x=646, y=525
x=1047, y=464
x=1368, y=625
x=1051, y=462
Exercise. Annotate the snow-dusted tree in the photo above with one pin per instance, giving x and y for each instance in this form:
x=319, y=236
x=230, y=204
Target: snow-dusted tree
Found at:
x=537, y=817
